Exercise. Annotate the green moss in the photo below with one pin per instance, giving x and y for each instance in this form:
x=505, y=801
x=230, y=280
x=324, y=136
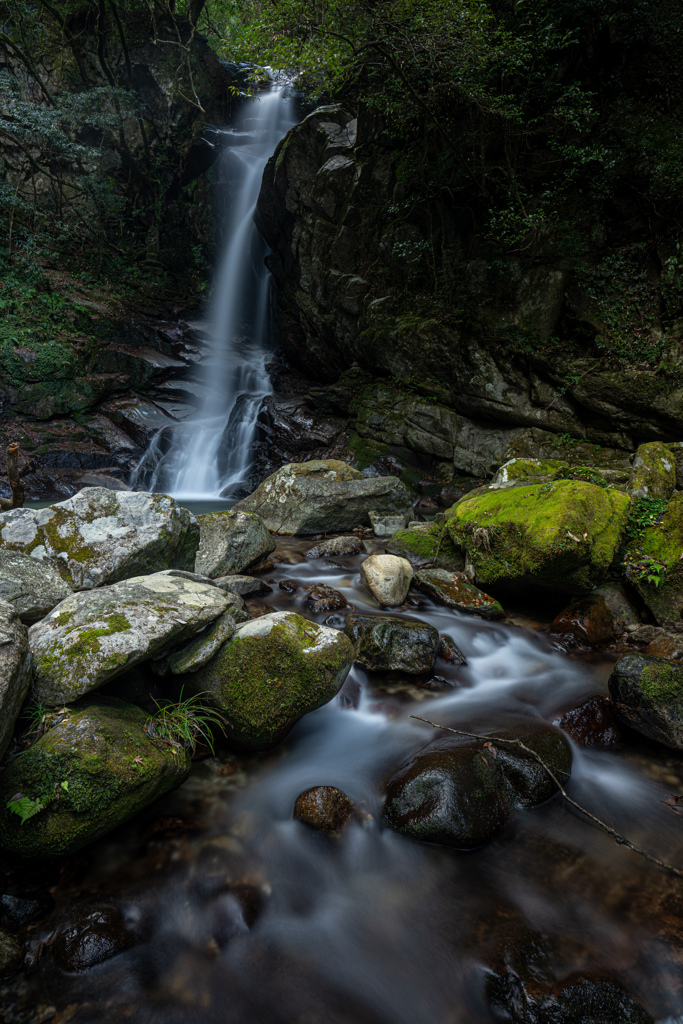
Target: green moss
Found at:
x=661, y=683
x=430, y=543
x=587, y=473
x=366, y=452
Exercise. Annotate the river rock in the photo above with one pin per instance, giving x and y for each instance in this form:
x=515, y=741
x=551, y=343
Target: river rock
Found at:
x=336, y=547
x=231, y=542
x=454, y=590
x=11, y=954
x=92, y=771
x=386, y=526
x=450, y=652
x=245, y=586
x=32, y=588
x=561, y=536
x=653, y=474
x=324, y=808
x=319, y=497
x=95, y=636
x=386, y=643
x=324, y=599
x=647, y=695
x=387, y=578
x=427, y=544
x=593, y=724
x=101, y=536
x=15, y=671
x=90, y=934
x=274, y=670
x=194, y=655
x=458, y=793
x=598, y=617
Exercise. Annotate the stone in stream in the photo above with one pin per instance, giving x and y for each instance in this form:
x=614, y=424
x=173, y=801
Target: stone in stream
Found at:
x=321, y=598
x=90, y=934
x=458, y=792
x=245, y=586
x=93, y=770
x=647, y=695
x=11, y=954
x=324, y=808
x=274, y=670
x=101, y=536
x=450, y=652
x=15, y=671
x=32, y=588
x=336, y=547
x=427, y=544
x=90, y=638
x=593, y=724
x=455, y=591
x=597, y=617
x=324, y=496
x=231, y=542
x=387, y=578
x=386, y=643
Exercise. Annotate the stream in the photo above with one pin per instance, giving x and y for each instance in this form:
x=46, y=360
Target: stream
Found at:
x=214, y=906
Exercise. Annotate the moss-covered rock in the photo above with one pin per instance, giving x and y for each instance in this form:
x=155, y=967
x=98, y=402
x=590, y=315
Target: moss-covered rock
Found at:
x=653, y=474
x=271, y=672
x=558, y=536
x=531, y=470
x=231, y=542
x=427, y=544
x=92, y=637
x=647, y=694
x=95, y=769
x=654, y=562
x=101, y=536
x=387, y=643
x=454, y=591
x=15, y=671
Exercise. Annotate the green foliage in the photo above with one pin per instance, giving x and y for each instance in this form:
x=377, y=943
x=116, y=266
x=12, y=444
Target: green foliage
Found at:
x=185, y=724
x=25, y=807
x=643, y=512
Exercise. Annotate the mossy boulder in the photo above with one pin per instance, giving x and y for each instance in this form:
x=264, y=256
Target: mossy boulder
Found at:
x=231, y=542
x=272, y=671
x=654, y=564
x=15, y=671
x=560, y=536
x=453, y=590
x=101, y=536
x=92, y=637
x=530, y=470
x=647, y=694
x=93, y=770
x=427, y=544
x=653, y=474
x=388, y=643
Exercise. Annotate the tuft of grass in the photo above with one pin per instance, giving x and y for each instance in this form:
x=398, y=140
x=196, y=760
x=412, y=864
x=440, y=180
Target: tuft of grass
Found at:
x=185, y=724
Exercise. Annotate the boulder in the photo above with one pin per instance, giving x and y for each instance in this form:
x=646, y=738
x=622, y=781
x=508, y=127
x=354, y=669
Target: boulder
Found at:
x=653, y=474
x=245, y=586
x=453, y=590
x=32, y=588
x=647, y=695
x=598, y=617
x=560, y=536
x=15, y=671
x=95, y=636
x=450, y=652
x=387, y=578
x=386, y=643
x=458, y=793
x=336, y=547
x=654, y=564
x=319, y=497
x=593, y=724
x=274, y=670
x=195, y=654
x=231, y=542
x=386, y=526
x=324, y=599
x=89, y=934
x=101, y=536
x=529, y=470
x=324, y=808
x=92, y=771
x=427, y=544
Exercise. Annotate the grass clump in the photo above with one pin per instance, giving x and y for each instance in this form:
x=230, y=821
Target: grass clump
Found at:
x=184, y=725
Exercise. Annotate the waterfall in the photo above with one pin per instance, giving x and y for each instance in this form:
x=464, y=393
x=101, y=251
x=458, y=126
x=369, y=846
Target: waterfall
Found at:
x=211, y=453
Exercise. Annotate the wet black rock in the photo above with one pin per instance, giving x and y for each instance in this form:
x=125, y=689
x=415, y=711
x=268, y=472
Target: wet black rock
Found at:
x=16, y=911
x=324, y=808
x=324, y=599
x=392, y=643
x=450, y=652
x=579, y=998
x=90, y=935
x=647, y=695
x=593, y=724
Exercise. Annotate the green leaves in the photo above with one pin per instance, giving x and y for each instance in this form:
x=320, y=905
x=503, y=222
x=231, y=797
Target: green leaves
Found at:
x=24, y=807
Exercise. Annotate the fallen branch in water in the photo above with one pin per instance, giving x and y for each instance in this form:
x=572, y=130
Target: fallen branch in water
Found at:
x=15, y=481
x=617, y=836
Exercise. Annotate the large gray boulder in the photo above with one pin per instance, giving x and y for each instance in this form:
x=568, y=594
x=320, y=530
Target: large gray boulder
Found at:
x=231, y=542
x=319, y=497
x=100, y=536
x=32, y=588
x=274, y=669
x=15, y=671
x=95, y=636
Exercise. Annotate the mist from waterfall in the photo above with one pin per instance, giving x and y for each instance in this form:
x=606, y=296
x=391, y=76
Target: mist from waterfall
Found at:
x=211, y=453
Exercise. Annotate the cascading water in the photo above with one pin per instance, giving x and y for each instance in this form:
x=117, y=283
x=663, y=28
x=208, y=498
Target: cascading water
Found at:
x=210, y=454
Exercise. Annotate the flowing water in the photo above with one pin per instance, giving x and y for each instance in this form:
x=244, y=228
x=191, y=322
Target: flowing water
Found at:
x=209, y=456
x=237, y=914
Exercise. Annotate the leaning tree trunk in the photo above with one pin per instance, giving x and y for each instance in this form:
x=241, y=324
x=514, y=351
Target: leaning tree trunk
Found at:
x=15, y=481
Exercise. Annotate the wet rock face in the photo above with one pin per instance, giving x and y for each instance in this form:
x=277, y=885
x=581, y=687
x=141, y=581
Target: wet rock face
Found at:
x=101, y=536
x=324, y=808
x=231, y=542
x=275, y=669
x=89, y=936
x=597, y=617
x=92, y=637
x=387, y=578
x=453, y=590
x=647, y=695
x=93, y=770
x=459, y=792
x=593, y=724
x=384, y=643
x=15, y=671
x=32, y=588
x=324, y=599
x=336, y=547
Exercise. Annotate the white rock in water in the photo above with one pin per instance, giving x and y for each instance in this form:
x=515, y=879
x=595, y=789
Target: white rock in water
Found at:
x=387, y=578
x=386, y=525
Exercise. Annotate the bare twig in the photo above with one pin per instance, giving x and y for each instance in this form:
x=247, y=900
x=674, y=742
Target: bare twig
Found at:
x=617, y=836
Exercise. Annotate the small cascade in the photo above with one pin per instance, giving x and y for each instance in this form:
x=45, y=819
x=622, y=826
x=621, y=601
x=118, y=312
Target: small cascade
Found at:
x=209, y=455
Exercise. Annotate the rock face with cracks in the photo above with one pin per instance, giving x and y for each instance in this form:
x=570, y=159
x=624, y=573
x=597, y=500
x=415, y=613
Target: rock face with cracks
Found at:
x=231, y=542
x=92, y=771
x=32, y=588
x=387, y=643
x=100, y=536
x=90, y=638
x=273, y=670
x=387, y=578
x=15, y=671
x=647, y=695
